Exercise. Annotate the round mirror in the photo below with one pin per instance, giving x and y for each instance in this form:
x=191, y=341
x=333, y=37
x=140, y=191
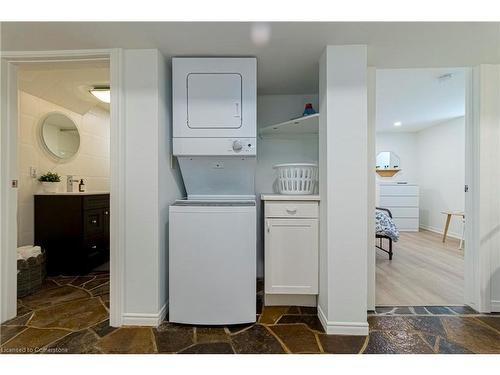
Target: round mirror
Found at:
x=60, y=135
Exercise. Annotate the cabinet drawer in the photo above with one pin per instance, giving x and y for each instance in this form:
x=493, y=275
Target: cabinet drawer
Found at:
x=96, y=201
x=394, y=201
x=406, y=224
x=404, y=212
x=289, y=209
x=402, y=190
x=97, y=244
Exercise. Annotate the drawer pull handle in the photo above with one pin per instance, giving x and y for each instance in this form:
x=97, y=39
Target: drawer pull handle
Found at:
x=106, y=212
x=94, y=221
x=268, y=227
x=94, y=247
x=291, y=210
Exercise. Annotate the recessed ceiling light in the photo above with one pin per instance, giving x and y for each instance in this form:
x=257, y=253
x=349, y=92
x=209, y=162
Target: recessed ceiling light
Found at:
x=398, y=123
x=102, y=93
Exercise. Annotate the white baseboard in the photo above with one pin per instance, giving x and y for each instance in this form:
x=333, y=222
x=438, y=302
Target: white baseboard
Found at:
x=152, y=320
x=342, y=328
x=290, y=300
x=440, y=231
x=495, y=306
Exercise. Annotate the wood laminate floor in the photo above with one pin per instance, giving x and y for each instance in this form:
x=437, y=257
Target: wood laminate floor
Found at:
x=423, y=271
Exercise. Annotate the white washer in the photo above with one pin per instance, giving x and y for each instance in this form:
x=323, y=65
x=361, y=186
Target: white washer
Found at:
x=212, y=262
x=212, y=234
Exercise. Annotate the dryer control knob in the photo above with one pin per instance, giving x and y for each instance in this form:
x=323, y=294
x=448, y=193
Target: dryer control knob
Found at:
x=237, y=146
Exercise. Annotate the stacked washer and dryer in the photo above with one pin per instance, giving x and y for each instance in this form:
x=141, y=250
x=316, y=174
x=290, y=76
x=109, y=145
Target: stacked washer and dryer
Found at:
x=212, y=233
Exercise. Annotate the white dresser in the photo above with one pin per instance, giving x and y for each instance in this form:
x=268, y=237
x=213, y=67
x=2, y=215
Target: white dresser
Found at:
x=402, y=199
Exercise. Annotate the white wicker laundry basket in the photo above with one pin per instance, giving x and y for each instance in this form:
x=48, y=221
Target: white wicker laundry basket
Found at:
x=297, y=178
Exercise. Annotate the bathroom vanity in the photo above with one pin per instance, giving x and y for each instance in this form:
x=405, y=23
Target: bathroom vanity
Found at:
x=73, y=228
x=291, y=250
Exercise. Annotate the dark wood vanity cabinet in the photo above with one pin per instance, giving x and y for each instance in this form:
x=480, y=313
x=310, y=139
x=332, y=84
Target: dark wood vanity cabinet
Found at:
x=74, y=231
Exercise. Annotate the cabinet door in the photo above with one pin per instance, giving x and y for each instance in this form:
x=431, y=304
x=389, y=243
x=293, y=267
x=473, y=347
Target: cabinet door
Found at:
x=214, y=100
x=93, y=222
x=291, y=256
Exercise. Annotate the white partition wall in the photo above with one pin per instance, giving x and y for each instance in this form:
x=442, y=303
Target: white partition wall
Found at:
x=150, y=186
x=343, y=130
x=482, y=242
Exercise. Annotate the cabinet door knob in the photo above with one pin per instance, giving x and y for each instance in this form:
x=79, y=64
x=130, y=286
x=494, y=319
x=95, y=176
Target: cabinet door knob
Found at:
x=106, y=212
x=94, y=247
x=94, y=221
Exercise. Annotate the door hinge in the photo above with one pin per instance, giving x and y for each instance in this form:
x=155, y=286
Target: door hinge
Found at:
x=466, y=188
x=14, y=184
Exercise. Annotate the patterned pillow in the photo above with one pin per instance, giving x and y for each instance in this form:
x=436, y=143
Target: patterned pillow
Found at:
x=385, y=226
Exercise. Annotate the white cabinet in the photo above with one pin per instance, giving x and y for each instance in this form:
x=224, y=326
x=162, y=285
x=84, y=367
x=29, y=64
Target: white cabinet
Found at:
x=291, y=256
x=214, y=100
x=291, y=250
x=403, y=202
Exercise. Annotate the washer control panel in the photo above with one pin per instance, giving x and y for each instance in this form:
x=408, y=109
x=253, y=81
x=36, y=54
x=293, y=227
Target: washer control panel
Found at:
x=242, y=145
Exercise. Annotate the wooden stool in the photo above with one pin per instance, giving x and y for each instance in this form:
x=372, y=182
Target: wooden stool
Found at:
x=449, y=214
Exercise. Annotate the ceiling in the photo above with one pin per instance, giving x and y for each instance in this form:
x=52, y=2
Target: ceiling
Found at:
x=65, y=83
x=418, y=98
x=287, y=52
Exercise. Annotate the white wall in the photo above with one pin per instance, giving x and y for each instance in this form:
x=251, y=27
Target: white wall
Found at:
x=485, y=193
x=433, y=158
x=150, y=185
x=441, y=174
x=273, y=109
x=343, y=130
x=90, y=163
x=405, y=146
x=169, y=180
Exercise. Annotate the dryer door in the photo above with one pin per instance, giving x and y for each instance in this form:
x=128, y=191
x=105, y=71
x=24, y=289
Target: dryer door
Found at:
x=214, y=100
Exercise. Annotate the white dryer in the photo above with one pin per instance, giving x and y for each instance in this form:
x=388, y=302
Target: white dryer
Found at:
x=212, y=234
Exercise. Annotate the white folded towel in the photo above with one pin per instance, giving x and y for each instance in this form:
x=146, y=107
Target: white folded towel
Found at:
x=28, y=251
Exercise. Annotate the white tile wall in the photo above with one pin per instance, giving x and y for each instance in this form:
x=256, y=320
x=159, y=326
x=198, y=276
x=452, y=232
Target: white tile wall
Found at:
x=90, y=163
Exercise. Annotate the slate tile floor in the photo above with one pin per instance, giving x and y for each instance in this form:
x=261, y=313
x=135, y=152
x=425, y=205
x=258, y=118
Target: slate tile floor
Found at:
x=70, y=315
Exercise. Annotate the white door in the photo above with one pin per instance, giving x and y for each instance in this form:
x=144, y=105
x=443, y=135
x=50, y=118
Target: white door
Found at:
x=214, y=100
x=291, y=256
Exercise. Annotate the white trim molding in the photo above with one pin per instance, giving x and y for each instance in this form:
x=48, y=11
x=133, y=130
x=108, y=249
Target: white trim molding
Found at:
x=8, y=205
x=141, y=319
x=117, y=189
x=8, y=194
x=342, y=328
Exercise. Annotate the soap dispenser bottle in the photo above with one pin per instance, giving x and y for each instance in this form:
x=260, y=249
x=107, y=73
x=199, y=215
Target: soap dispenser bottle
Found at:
x=81, y=186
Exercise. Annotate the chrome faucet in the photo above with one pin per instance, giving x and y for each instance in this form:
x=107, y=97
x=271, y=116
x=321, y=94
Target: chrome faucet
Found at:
x=69, y=183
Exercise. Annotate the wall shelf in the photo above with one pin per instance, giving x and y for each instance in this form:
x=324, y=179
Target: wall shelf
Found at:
x=387, y=172
x=299, y=126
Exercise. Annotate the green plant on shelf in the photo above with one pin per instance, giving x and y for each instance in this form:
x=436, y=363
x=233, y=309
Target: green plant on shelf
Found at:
x=49, y=177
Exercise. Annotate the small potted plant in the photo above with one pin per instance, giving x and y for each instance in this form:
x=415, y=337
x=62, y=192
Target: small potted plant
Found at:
x=50, y=181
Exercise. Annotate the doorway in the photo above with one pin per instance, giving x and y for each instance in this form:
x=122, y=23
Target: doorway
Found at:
x=29, y=151
x=420, y=166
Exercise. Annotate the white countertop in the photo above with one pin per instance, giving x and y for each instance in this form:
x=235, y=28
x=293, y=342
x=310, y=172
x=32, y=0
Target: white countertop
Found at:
x=75, y=193
x=282, y=197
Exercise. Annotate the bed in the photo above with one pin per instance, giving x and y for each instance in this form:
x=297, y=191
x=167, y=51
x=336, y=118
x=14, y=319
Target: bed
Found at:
x=385, y=229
